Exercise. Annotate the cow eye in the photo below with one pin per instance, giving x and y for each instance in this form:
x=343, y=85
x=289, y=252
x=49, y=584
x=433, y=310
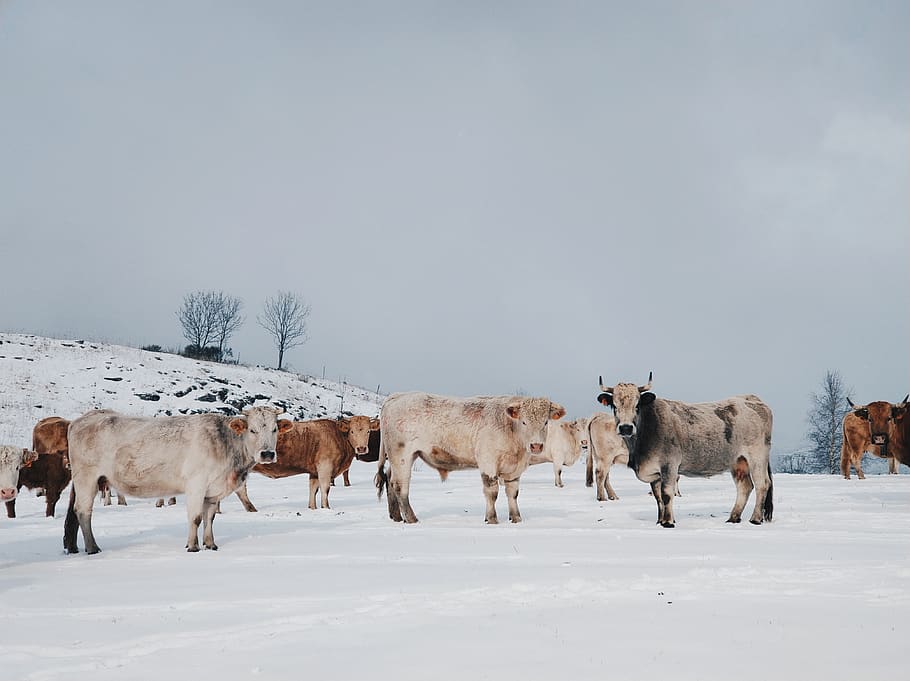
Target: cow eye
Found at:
x=254, y=432
x=275, y=429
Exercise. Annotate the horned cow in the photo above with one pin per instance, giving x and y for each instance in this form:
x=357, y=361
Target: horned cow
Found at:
x=879, y=428
x=667, y=438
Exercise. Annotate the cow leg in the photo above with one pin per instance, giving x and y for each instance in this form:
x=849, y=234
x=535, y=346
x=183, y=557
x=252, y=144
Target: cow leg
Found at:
x=195, y=507
x=512, y=497
x=893, y=466
x=209, y=507
x=172, y=501
x=845, y=464
x=53, y=496
x=347, y=480
x=391, y=497
x=761, y=478
x=106, y=494
x=557, y=474
x=490, y=491
x=159, y=503
x=668, y=477
x=121, y=500
x=611, y=493
x=314, y=487
x=655, y=492
x=84, y=498
x=401, y=465
x=11, y=508
x=744, y=486
x=244, y=497
x=858, y=465
x=589, y=468
x=325, y=483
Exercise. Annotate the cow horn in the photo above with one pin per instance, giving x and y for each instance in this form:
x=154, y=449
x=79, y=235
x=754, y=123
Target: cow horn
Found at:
x=603, y=388
x=850, y=402
x=647, y=386
x=903, y=402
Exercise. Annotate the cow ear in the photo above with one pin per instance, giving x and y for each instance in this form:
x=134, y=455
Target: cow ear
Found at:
x=344, y=425
x=513, y=410
x=237, y=425
x=862, y=413
x=606, y=399
x=556, y=411
x=374, y=424
x=28, y=458
x=646, y=399
x=284, y=425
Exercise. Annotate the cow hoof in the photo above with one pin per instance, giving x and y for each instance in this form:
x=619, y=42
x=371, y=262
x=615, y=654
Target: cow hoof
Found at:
x=213, y=547
x=516, y=520
x=734, y=520
x=755, y=522
x=92, y=552
x=70, y=551
x=668, y=524
x=491, y=521
x=192, y=549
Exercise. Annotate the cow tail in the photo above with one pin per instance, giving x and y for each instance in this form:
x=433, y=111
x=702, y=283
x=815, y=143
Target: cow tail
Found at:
x=71, y=524
x=382, y=478
x=769, y=497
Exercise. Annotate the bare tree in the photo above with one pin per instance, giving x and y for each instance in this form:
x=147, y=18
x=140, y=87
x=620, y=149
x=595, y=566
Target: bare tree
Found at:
x=198, y=315
x=228, y=320
x=826, y=413
x=285, y=317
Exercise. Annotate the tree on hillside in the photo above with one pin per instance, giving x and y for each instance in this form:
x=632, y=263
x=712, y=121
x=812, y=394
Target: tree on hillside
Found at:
x=228, y=320
x=209, y=317
x=826, y=413
x=285, y=316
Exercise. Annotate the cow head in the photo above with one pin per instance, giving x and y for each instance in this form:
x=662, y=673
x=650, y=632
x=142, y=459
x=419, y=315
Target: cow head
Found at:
x=259, y=428
x=11, y=460
x=580, y=428
x=880, y=416
x=357, y=429
x=627, y=400
x=529, y=417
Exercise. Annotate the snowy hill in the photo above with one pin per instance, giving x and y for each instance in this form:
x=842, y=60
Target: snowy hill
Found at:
x=42, y=377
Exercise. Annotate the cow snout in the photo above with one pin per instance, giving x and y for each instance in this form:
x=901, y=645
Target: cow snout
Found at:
x=879, y=439
x=626, y=429
x=7, y=494
x=361, y=450
x=267, y=457
x=536, y=447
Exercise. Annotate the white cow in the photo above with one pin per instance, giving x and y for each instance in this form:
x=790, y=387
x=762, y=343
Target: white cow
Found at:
x=11, y=460
x=204, y=456
x=606, y=448
x=565, y=444
x=497, y=435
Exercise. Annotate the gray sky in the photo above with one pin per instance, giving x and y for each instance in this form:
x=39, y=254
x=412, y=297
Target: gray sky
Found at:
x=475, y=197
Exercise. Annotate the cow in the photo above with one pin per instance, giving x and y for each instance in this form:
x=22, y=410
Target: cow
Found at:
x=667, y=438
x=566, y=441
x=204, y=456
x=496, y=435
x=879, y=428
x=12, y=461
x=606, y=448
x=324, y=448
x=50, y=471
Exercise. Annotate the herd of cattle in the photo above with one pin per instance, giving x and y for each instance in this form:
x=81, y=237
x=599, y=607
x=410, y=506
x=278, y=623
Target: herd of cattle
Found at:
x=206, y=457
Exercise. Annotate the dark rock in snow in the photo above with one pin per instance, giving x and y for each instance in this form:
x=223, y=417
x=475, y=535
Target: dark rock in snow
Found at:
x=149, y=397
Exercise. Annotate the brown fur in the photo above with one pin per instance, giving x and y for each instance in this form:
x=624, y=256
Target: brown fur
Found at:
x=50, y=470
x=877, y=421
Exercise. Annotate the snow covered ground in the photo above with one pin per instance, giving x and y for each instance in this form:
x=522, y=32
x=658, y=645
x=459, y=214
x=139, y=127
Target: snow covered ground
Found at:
x=579, y=590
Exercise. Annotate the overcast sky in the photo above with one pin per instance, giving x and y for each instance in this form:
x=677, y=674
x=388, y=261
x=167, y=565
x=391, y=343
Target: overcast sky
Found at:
x=475, y=197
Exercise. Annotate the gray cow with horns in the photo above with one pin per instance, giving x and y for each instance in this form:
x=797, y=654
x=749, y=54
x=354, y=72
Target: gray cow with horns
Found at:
x=668, y=438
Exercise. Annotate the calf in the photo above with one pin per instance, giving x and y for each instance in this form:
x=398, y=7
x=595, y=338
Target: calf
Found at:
x=50, y=471
x=607, y=448
x=565, y=444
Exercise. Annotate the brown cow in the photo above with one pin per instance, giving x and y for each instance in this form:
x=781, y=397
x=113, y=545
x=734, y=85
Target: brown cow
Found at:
x=879, y=428
x=50, y=471
x=323, y=448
